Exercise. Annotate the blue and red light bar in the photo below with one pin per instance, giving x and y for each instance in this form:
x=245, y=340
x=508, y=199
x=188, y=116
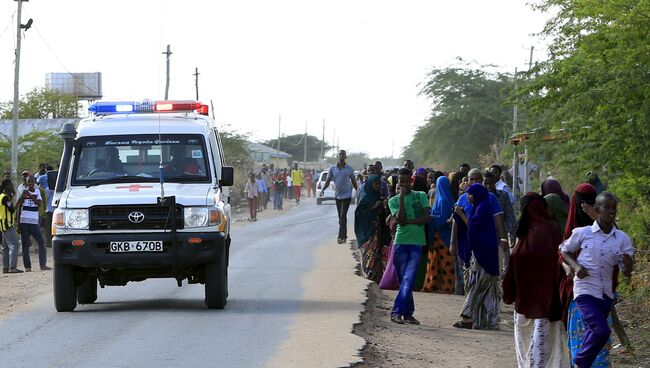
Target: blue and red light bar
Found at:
x=133, y=107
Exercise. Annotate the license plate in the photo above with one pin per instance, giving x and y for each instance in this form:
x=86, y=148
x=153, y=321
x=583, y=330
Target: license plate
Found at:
x=136, y=246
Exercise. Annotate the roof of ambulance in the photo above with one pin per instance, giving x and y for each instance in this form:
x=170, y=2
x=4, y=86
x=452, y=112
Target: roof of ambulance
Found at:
x=149, y=123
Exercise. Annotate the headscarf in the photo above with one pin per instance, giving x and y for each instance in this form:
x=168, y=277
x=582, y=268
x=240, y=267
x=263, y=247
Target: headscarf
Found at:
x=531, y=281
x=364, y=216
x=441, y=210
x=481, y=230
x=577, y=217
x=556, y=210
x=584, y=192
x=553, y=186
x=455, y=178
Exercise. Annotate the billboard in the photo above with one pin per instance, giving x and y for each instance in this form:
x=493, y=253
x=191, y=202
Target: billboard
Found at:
x=86, y=86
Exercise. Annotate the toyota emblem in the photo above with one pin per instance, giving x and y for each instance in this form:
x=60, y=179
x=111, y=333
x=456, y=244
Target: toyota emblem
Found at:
x=136, y=217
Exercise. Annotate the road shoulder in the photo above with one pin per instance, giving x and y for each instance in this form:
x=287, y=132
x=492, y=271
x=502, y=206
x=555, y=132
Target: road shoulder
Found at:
x=322, y=334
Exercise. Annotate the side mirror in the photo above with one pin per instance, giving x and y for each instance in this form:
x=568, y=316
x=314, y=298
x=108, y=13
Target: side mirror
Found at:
x=227, y=176
x=51, y=179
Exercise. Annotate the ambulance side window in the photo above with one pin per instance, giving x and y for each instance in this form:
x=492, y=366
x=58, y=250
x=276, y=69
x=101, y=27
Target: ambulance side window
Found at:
x=216, y=156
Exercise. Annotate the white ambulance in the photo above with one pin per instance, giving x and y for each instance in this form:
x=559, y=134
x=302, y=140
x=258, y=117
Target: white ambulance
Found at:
x=142, y=192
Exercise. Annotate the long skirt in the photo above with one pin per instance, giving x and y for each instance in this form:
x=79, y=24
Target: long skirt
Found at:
x=576, y=332
x=540, y=343
x=483, y=300
x=389, y=278
x=372, y=265
x=440, y=275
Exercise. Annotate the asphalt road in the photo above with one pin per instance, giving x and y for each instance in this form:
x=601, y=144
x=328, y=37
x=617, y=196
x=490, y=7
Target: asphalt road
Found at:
x=157, y=324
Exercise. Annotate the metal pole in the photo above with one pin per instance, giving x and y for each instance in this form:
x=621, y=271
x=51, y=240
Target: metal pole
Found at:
x=530, y=61
x=525, y=173
x=515, y=109
x=515, y=174
x=168, y=53
x=196, y=82
x=14, y=122
x=322, y=146
x=279, y=130
x=304, y=157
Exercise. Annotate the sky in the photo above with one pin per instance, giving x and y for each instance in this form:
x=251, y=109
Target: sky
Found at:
x=355, y=65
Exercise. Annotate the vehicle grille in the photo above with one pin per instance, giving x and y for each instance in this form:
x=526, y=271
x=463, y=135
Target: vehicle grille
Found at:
x=117, y=217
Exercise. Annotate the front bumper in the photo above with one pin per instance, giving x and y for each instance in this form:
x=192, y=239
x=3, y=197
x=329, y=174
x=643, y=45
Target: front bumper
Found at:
x=95, y=252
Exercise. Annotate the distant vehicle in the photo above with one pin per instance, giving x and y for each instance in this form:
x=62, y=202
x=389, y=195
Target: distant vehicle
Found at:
x=329, y=194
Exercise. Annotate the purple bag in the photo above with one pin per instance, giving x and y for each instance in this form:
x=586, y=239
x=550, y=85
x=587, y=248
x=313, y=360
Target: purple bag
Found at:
x=389, y=279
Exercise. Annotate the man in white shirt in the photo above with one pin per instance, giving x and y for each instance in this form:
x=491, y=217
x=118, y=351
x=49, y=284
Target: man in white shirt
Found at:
x=601, y=246
x=500, y=184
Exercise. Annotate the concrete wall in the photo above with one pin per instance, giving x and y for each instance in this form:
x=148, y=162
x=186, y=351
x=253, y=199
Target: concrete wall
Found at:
x=29, y=125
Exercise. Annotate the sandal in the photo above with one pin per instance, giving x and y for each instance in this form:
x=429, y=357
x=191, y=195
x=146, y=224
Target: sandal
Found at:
x=465, y=325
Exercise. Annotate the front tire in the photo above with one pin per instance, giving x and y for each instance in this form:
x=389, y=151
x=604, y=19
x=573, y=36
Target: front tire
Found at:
x=87, y=291
x=319, y=201
x=216, y=283
x=65, y=291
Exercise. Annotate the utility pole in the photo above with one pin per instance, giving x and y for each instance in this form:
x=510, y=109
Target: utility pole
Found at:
x=322, y=146
x=279, y=125
x=168, y=53
x=14, y=122
x=515, y=161
x=304, y=157
x=530, y=61
x=334, y=142
x=196, y=82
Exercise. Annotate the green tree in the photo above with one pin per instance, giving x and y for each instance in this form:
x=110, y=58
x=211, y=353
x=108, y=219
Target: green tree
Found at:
x=235, y=148
x=594, y=89
x=295, y=145
x=33, y=148
x=468, y=116
x=43, y=103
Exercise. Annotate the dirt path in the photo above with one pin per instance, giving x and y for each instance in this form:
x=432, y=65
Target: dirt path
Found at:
x=435, y=343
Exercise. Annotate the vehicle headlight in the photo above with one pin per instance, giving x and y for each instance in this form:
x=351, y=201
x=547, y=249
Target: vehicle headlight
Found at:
x=196, y=216
x=76, y=219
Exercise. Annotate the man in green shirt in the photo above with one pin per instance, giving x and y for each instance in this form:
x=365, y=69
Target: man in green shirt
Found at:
x=411, y=209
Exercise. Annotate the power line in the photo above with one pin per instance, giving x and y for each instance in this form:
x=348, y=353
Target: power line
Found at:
x=59, y=60
x=11, y=21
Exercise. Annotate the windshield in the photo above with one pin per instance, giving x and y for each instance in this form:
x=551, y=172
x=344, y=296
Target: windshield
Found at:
x=136, y=158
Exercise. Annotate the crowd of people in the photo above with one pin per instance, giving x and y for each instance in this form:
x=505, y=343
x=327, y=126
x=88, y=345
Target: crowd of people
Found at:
x=558, y=261
x=26, y=213
x=275, y=185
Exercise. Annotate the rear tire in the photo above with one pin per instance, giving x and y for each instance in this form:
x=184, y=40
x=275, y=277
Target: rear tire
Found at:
x=216, y=283
x=87, y=291
x=65, y=291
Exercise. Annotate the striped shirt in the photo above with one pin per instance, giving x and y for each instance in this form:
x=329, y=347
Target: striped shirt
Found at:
x=29, y=211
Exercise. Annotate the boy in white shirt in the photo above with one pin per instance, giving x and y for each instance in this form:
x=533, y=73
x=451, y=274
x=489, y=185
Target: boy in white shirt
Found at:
x=602, y=246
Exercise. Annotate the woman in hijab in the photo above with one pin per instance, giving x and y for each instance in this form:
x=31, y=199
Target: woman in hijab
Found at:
x=440, y=275
x=557, y=210
x=455, y=178
x=482, y=303
x=366, y=228
x=531, y=283
x=585, y=194
x=553, y=186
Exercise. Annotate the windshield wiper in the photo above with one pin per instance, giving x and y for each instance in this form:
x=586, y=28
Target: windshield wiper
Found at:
x=120, y=179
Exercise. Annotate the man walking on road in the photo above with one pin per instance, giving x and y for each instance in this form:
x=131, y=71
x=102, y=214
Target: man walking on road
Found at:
x=296, y=179
x=343, y=176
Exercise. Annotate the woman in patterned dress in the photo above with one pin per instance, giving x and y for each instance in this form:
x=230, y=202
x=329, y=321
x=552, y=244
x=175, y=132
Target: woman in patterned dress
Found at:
x=440, y=274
